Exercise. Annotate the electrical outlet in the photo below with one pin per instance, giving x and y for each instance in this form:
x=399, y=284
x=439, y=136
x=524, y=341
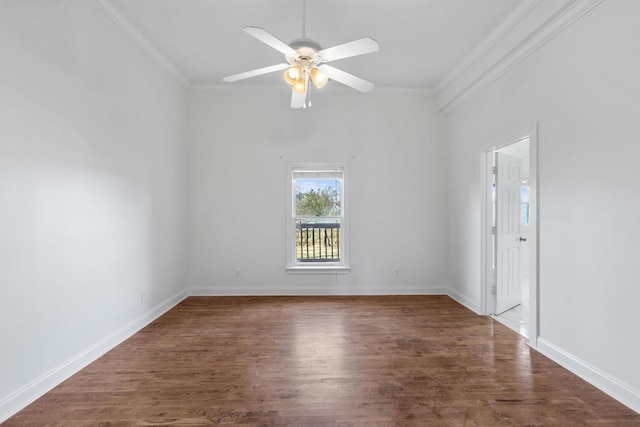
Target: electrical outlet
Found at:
x=236, y=274
x=143, y=297
x=396, y=272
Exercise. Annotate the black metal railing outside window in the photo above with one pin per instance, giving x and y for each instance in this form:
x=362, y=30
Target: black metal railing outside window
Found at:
x=318, y=242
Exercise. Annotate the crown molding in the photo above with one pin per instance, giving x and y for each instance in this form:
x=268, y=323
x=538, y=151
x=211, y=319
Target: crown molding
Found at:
x=498, y=33
x=496, y=56
x=404, y=90
x=136, y=35
x=231, y=88
x=226, y=88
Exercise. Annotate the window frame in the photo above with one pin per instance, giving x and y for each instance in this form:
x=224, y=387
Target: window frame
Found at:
x=310, y=267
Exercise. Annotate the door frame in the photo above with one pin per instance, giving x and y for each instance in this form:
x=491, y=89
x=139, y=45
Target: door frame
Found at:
x=486, y=213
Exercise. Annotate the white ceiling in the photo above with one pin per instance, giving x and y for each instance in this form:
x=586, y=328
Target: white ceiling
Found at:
x=421, y=41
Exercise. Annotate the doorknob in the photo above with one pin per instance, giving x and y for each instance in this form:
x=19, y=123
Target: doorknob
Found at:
x=523, y=239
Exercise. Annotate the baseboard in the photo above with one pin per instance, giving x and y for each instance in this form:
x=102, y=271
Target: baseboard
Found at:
x=314, y=291
x=463, y=300
x=26, y=395
x=31, y=392
x=612, y=386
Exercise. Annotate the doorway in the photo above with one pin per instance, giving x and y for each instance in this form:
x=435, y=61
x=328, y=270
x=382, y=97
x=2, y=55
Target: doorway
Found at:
x=509, y=254
x=510, y=191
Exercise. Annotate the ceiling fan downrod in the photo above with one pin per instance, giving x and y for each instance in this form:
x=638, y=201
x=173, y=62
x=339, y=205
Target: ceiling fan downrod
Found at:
x=304, y=19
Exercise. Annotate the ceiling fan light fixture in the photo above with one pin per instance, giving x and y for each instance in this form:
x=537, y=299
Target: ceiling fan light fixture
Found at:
x=318, y=77
x=292, y=74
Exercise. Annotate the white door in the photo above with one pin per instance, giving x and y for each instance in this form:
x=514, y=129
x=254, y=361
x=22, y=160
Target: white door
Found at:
x=508, y=180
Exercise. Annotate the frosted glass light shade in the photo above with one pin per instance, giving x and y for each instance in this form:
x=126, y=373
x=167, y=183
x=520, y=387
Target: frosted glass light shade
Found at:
x=319, y=78
x=300, y=85
x=292, y=74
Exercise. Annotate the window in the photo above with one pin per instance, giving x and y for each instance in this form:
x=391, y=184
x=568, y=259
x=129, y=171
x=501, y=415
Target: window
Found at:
x=317, y=227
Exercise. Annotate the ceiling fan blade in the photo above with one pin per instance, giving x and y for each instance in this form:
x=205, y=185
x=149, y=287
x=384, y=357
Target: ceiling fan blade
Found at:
x=346, y=50
x=298, y=99
x=258, y=72
x=346, y=78
x=267, y=38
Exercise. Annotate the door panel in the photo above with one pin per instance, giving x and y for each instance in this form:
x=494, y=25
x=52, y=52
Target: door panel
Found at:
x=508, y=181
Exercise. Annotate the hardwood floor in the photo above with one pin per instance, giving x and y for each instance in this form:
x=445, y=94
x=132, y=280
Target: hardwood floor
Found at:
x=414, y=360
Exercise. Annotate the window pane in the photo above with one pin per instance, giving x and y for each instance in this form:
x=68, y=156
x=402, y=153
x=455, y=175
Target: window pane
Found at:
x=525, y=214
x=318, y=240
x=524, y=219
x=318, y=197
x=525, y=194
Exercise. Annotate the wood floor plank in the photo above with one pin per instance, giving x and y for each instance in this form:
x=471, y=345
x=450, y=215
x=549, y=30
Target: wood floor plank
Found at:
x=325, y=361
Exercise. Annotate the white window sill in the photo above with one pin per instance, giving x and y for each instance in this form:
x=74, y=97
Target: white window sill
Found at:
x=317, y=269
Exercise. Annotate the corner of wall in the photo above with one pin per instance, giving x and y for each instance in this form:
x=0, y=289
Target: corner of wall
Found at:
x=465, y=300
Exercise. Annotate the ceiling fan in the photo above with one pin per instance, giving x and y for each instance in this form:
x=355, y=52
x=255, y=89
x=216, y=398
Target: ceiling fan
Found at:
x=306, y=60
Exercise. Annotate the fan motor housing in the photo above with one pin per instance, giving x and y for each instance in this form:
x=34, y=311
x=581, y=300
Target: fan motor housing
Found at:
x=302, y=43
x=306, y=53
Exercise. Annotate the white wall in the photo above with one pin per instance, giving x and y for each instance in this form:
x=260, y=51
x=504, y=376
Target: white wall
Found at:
x=583, y=88
x=92, y=189
x=93, y=201
x=240, y=145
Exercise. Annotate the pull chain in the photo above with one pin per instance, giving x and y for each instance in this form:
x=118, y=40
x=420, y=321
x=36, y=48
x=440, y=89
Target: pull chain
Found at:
x=307, y=101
